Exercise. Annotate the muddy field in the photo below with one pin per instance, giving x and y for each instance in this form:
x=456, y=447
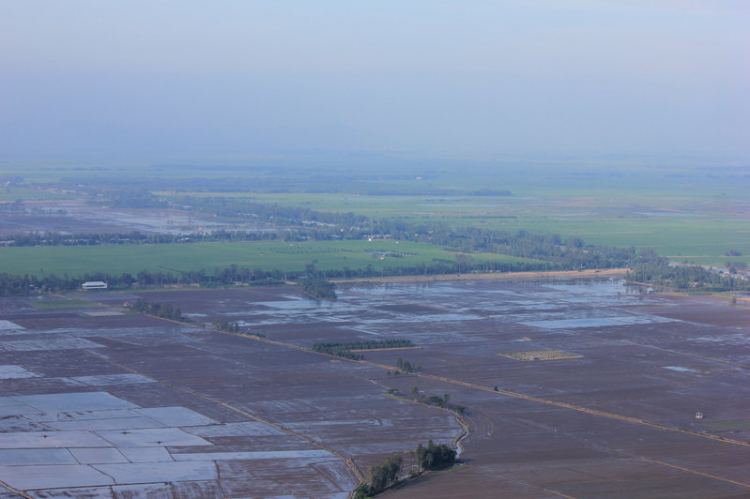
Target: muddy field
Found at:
x=78, y=217
x=89, y=397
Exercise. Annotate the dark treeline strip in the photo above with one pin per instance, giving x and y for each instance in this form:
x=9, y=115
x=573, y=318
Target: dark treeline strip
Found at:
x=657, y=270
x=309, y=224
x=648, y=269
x=318, y=288
x=272, y=214
x=338, y=351
x=164, y=310
x=134, y=237
x=11, y=284
x=225, y=325
x=435, y=457
x=388, y=473
x=554, y=252
x=570, y=254
x=406, y=366
x=345, y=350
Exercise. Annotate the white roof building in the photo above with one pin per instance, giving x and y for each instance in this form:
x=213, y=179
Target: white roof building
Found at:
x=89, y=285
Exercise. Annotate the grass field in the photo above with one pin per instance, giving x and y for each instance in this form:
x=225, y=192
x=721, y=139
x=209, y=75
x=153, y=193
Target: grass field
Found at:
x=690, y=213
x=62, y=304
x=677, y=228
x=77, y=260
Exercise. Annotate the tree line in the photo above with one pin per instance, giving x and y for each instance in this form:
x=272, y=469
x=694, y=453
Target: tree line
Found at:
x=163, y=310
x=225, y=325
x=344, y=349
x=307, y=224
x=550, y=251
x=650, y=270
x=389, y=472
x=318, y=288
x=659, y=271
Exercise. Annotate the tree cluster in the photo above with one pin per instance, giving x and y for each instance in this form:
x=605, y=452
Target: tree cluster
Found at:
x=344, y=349
x=337, y=349
x=309, y=224
x=318, y=288
x=133, y=237
x=380, y=477
x=388, y=473
x=658, y=271
x=437, y=400
x=164, y=310
x=225, y=325
x=406, y=366
x=435, y=457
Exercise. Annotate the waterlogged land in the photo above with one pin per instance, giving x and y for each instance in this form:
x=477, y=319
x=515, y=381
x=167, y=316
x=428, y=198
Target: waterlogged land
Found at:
x=606, y=407
x=547, y=388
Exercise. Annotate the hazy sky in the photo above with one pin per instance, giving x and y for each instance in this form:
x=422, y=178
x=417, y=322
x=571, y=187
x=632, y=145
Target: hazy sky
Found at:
x=163, y=78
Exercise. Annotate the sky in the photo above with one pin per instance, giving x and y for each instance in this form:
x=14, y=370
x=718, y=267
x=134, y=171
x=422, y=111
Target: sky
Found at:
x=165, y=79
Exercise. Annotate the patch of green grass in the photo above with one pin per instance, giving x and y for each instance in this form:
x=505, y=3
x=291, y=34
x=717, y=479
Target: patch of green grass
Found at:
x=689, y=212
x=670, y=226
x=269, y=255
x=730, y=425
x=62, y=304
x=26, y=194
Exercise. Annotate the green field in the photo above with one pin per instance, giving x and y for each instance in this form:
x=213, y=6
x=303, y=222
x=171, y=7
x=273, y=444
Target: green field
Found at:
x=680, y=229
x=62, y=304
x=268, y=255
x=730, y=425
x=689, y=212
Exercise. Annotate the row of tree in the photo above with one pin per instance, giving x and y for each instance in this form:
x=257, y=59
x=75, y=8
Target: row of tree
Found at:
x=406, y=366
x=389, y=472
x=348, y=349
x=337, y=349
x=318, y=288
x=164, y=310
x=134, y=237
x=309, y=224
x=659, y=271
x=225, y=325
x=652, y=270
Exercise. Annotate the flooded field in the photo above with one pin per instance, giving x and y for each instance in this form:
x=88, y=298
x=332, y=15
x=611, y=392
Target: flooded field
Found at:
x=571, y=390
x=79, y=217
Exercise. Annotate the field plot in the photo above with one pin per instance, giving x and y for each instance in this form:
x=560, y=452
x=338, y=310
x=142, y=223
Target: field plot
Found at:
x=130, y=406
x=221, y=415
x=682, y=225
x=541, y=355
x=79, y=217
x=270, y=255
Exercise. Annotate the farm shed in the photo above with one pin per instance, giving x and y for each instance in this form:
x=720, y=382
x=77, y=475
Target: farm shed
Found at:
x=93, y=285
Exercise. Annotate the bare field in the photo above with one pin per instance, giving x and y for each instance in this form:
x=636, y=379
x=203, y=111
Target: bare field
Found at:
x=220, y=415
x=78, y=217
x=540, y=355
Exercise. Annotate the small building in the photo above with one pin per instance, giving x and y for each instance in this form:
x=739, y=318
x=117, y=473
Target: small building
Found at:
x=93, y=285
